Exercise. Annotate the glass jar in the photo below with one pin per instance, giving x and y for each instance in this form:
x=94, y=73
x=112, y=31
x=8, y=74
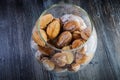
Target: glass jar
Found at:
x=58, y=10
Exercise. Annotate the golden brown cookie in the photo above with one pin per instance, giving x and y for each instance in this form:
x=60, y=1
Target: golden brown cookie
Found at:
x=69, y=57
x=71, y=26
x=74, y=67
x=76, y=43
x=45, y=20
x=76, y=35
x=59, y=59
x=53, y=29
x=85, y=34
x=36, y=37
x=64, y=39
x=46, y=50
x=49, y=65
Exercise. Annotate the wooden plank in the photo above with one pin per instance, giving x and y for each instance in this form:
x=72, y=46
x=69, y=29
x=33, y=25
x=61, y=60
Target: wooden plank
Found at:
x=17, y=62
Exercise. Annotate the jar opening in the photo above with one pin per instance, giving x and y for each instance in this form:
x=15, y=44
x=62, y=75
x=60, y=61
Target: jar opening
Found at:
x=57, y=5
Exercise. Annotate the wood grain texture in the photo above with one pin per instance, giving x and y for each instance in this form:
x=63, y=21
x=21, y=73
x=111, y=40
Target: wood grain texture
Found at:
x=17, y=62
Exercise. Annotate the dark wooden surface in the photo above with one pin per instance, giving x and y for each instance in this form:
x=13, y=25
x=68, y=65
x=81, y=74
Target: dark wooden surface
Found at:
x=17, y=62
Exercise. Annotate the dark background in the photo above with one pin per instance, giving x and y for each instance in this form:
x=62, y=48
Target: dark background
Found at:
x=17, y=62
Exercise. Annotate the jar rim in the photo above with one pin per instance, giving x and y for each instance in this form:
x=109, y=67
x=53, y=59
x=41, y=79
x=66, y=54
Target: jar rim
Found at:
x=57, y=49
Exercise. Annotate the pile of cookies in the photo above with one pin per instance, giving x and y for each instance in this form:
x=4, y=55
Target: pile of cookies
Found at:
x=66, y=33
